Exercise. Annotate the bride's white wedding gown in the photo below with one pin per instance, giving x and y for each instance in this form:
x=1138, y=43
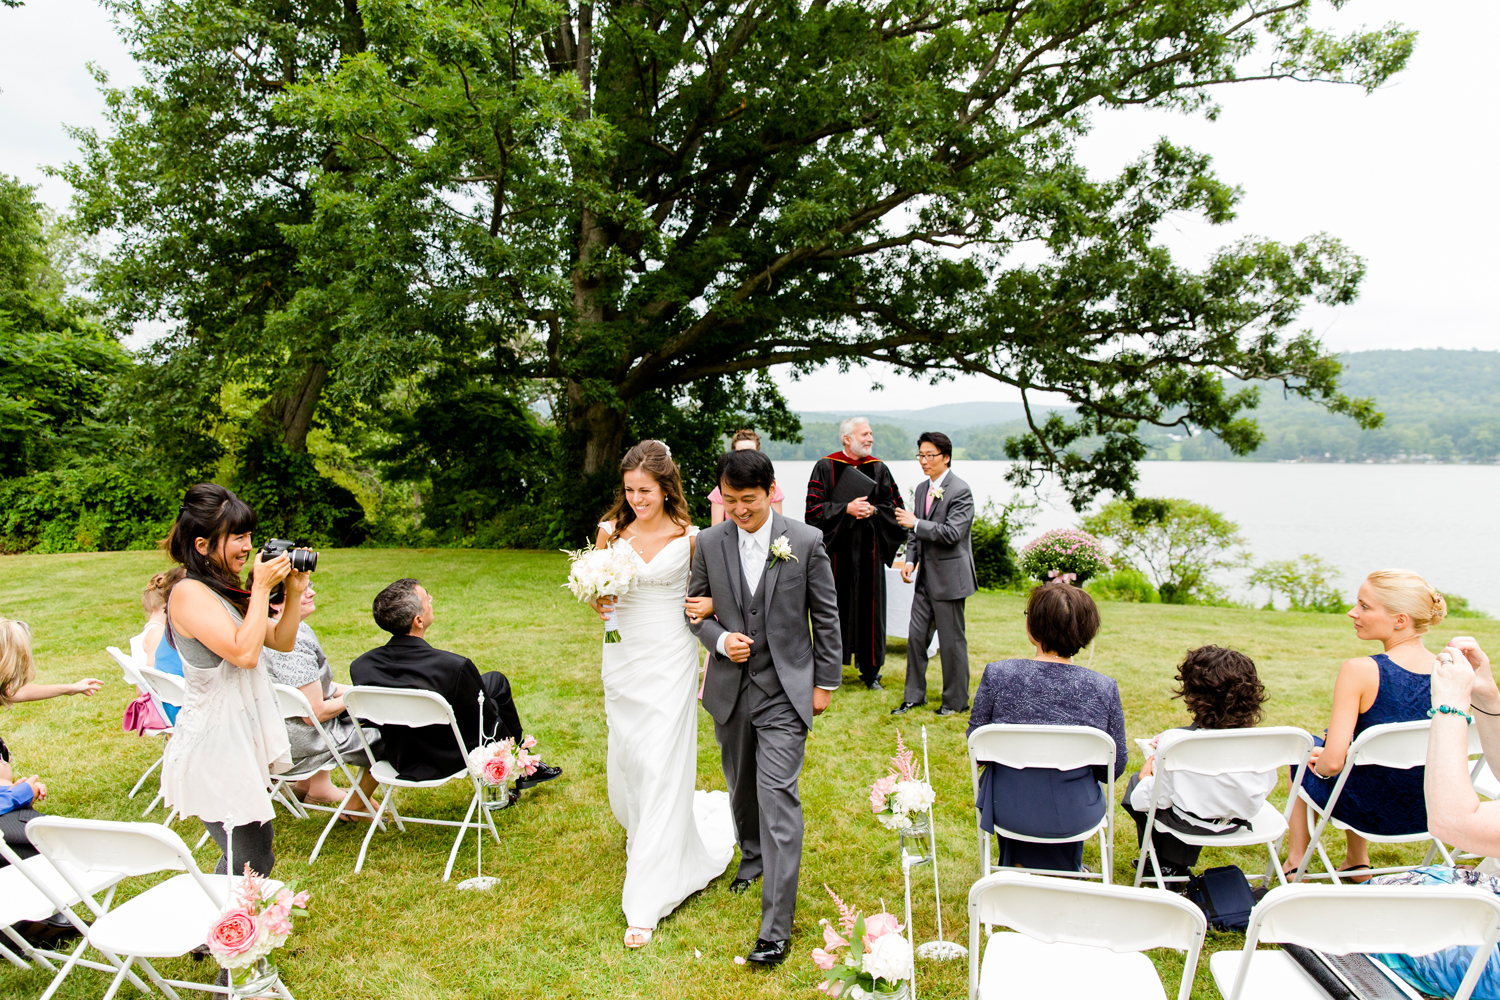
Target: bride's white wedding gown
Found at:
x=677, y=840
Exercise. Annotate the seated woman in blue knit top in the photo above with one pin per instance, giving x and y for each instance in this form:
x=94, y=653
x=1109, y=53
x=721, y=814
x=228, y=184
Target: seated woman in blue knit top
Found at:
x=1394, y=608
x=1048, y=689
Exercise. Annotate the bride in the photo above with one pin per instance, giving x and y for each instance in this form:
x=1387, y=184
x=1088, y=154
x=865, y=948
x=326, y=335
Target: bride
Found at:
x=677, y=840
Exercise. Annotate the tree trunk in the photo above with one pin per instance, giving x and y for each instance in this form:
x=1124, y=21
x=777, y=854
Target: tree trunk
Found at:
x=289, y=412
x=599, y=429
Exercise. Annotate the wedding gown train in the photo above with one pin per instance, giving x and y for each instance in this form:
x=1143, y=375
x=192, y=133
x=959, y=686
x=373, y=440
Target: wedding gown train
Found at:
x=677, y=839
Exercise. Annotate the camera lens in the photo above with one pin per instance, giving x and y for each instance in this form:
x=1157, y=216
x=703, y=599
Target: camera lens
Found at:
x=304, y=561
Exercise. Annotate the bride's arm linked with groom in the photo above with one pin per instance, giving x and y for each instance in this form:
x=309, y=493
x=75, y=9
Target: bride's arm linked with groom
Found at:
x=775, y=657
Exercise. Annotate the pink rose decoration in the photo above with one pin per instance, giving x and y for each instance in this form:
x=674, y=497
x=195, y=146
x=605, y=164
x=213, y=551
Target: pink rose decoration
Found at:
x=879, y=925
x=878, y=792
x=822, y=959
x=497, y=769
x=234, y=933
x=831, y=938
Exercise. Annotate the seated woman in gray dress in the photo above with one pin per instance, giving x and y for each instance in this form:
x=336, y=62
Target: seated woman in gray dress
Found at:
x=307, y=669
x=1049, y=690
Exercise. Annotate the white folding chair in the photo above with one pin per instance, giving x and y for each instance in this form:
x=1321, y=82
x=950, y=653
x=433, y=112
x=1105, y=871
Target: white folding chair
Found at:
x=1400, y=745
x=294, y=705
x=1345, y=919
x=130, y=667
x=1214, y=752
x=34, y=889
x=168, y=920
x=165, y=689
x=1076, y=939
x=1062, y=748
x=385, y=706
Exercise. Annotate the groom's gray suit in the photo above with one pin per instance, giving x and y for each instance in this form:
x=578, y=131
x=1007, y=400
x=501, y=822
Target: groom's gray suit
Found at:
x=762, y=708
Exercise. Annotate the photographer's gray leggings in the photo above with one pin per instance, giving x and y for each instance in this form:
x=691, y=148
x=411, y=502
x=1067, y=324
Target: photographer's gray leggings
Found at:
x=252, y=846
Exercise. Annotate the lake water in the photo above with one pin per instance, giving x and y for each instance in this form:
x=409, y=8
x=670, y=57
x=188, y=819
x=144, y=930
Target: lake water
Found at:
x=1438, y=520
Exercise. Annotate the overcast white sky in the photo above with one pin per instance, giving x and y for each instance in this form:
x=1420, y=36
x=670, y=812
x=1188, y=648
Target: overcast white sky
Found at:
x=1405, y=176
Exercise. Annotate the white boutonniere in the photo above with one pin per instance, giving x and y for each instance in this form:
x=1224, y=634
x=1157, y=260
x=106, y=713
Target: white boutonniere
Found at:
x=781, y=549
x=937, y=493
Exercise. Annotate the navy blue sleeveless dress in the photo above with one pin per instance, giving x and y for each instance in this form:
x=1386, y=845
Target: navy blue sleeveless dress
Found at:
x=1386, y=801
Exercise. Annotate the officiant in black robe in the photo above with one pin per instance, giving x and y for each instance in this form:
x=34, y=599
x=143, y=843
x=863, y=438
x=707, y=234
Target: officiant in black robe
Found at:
x=853, y=498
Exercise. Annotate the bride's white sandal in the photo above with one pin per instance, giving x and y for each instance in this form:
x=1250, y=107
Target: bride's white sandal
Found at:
x=640, y=935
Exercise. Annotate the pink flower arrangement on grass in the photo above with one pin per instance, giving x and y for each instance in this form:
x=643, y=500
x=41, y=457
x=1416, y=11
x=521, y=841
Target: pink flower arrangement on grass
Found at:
x=256, y=922
x=502, y=762
x=878, y=957
x=902, y=792
x=1067, y=554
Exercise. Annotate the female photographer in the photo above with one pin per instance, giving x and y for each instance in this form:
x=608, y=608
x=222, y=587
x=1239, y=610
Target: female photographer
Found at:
x=230, y=735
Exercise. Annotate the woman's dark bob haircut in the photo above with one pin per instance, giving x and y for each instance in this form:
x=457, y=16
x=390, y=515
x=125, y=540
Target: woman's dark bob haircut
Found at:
x=1221, y=688
x=1061, y=618
x=210, y=511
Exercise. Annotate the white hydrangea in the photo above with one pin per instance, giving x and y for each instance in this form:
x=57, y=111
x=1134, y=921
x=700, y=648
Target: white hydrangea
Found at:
x=889, y=958
x=913, y=797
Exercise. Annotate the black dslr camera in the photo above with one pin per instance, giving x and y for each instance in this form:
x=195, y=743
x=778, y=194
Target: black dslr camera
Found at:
x=303, y=560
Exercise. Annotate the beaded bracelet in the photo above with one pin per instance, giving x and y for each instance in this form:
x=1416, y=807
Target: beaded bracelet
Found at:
x=1449, y=710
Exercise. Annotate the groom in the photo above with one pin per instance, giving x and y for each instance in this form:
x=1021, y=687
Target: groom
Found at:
x=767, y=677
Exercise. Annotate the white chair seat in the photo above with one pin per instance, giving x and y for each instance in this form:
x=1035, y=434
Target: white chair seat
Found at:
x=385, y=773
x=1268, y=824
x=1018, y=966
x=1273, y=974
x=165, y=921
x=20, y=899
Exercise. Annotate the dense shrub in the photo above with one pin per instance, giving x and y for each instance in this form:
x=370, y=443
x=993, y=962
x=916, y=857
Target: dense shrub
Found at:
x=1124, y=584
x=1064, y=552
x=994, y=553
x=1306, y=583
x=294, y=500
x=96, y=509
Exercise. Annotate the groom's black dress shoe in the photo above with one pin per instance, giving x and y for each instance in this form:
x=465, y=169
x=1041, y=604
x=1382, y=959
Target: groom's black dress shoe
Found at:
x=544, y=772
x=905, y=706
x=741, y=884
x=769, y=952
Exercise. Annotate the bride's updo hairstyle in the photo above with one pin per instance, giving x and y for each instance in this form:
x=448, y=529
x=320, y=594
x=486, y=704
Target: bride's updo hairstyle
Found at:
x=655, y=459
x=1402, y=592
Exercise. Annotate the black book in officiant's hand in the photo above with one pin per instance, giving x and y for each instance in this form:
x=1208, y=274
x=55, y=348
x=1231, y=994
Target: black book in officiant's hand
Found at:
x=852, y=485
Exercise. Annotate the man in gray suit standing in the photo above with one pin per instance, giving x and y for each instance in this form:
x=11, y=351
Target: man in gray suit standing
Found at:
x=939, y=554
x=768, y=675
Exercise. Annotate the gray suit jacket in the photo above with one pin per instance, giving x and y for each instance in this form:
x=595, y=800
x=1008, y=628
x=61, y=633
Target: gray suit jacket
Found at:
x=940, y=543
x=796, y=591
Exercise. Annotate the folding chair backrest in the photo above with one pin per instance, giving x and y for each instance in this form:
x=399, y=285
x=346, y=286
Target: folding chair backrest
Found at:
x=1407, y=919
x=138, y=649
x=1116, y=917
x=168, y=687
x=1061, y=747
x=1399, y=744
x=1230, y=751
x=127, y=666
x=398, y=706
x=294, y=703
x=105, y=845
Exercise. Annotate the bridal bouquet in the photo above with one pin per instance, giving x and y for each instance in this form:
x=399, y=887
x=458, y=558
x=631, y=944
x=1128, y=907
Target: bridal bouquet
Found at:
x=901, y=793
x=256, y=923
x=498, y=764
x=606, y=572
x=878, y=959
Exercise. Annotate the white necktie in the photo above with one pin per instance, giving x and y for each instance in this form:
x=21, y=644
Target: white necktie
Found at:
x=751, y=560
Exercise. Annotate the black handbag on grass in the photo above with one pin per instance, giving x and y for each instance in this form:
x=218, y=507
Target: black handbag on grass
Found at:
x=1224, y=897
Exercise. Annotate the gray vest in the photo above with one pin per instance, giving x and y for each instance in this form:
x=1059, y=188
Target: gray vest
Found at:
x=759, y=666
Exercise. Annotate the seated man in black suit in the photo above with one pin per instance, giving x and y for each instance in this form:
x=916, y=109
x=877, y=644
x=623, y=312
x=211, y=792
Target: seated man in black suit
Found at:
x=404, y=609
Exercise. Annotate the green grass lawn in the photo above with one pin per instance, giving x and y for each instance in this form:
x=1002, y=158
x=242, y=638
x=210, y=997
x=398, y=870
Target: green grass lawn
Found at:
x=554, y=927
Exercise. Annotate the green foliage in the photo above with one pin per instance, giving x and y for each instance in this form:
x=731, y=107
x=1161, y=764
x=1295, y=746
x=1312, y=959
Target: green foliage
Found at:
x=93, y=509
x=294, y=500
x=1306, y=583
x=991, y=537
x=1458, y=607
x=1178, y=543
x=1124, y=584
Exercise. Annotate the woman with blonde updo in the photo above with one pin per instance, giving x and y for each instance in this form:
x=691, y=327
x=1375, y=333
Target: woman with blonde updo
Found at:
x=1395, y=608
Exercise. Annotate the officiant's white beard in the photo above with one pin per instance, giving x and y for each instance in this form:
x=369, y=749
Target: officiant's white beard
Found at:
x=855, y=449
